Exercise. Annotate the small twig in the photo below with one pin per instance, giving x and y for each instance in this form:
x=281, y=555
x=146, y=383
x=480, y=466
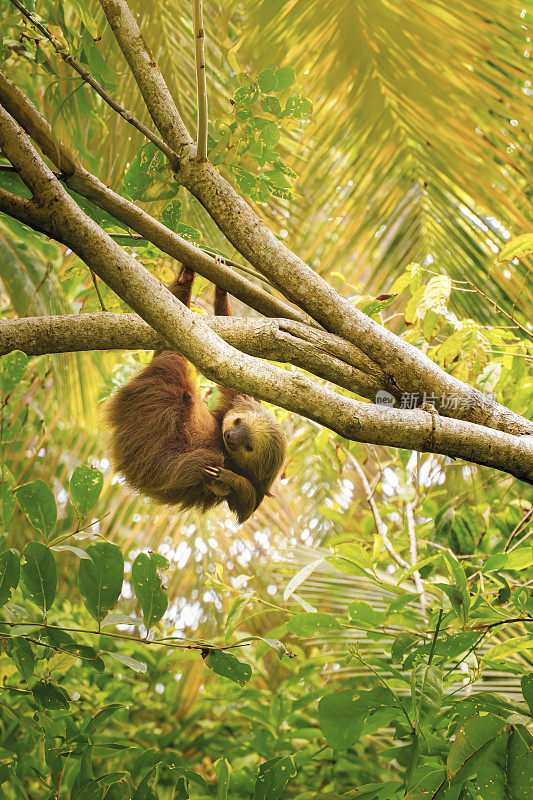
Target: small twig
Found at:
x=435, y=636
x=63, y=53
x=414, y=557
x=517, y=527
x=380, y=525
x=201, y=87
x=93, y=276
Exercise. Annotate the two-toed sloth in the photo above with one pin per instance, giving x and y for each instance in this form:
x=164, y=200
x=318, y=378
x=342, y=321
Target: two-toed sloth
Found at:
x=172, y=448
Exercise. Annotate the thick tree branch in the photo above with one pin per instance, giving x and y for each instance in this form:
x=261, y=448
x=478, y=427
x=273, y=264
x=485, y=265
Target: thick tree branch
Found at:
x=406, y=369
x=257, y=337
x=52, y=210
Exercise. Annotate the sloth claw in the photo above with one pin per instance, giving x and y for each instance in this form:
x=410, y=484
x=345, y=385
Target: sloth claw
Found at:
x=213, y=472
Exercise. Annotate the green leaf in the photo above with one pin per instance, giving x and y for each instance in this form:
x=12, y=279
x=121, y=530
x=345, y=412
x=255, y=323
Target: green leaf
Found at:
x=235, y=612
x=426, y=688
x=181, y=792
x=273, y=777
x=38, y=503
x=229, y=666
x=518, y=559
x=268, y=81
x=7, y=496
x=95, y=788
x=148, y=587
x=9, y=575
x=471, y=741
x=128, y=661
x=22, y=654
x=285, y=77
x=527, y=690
x=86, y=17
x=518, y=644
x=271, y=105
x=100, y=579
x=85, y=487
x=346, y=566
x=246, y=95
x=39, y=574
x=268, y=131
x=12, y=369
x=340, y=718
x=102, y=716
x=310, y=623
x=50, y=697
x=518, y=247
x=300, y=577
x=222, y=770
x=363, y=613
x=171, y=214
x=507, y=771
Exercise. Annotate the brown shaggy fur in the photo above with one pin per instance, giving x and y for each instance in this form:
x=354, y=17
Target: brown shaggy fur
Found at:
x=169, y=446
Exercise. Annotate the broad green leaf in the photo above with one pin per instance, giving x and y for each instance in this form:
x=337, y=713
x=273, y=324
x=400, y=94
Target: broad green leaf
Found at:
x=312, y=624
x=518, y=559
x=401, y=645
x=100, y=579
x=148, y=587
x=229, y=666
x=39, y=574
x=347, y=567
x=38, y=503
x=144, y=790
x=507, y=771
x=171, y=214
x=267, y=81
x=479, y=732
x=285, y=77
x=181, y=792
x=518, y=247
x=363, y=613
x=85, y=487
x=222, y=769
x=9, y=575
x=519, y=644
x=426, y=689
x=50, y=697
x=341, y=719
x=12, y=369
x=22, y=654
x=235, y=612
x=246, y=95
x=273, y=777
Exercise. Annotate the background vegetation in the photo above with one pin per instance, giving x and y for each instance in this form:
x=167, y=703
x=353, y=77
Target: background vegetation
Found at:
x=367, y=633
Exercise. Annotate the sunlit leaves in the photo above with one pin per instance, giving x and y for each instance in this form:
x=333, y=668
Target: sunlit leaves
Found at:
x=9, y=575
x=12, y=369
x=100, y=579
x=39, y=574
x=148, y=587
x=312, y=624
x=273, y=777
x=37, y=501
x=50, y=697
x=226, y=664
x=85, y=487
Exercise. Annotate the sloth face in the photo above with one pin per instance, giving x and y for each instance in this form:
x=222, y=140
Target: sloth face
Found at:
x=255, y=441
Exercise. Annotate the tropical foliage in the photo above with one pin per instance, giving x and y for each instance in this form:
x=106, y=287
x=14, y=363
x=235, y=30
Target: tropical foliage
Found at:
x=367, y=634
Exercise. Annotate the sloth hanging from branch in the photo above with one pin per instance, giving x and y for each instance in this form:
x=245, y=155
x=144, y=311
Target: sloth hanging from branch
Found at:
x=172, y=448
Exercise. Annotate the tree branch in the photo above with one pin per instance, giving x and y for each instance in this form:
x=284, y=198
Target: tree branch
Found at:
x=79, y=180
x=406, y=368
x=53, y=211
x=256, y=337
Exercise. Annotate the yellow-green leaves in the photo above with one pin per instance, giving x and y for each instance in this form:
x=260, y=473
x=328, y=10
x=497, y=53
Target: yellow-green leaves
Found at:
x=100, y=579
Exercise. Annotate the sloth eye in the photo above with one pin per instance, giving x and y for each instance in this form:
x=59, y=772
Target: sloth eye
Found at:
x=249, y=448
x=237, y=421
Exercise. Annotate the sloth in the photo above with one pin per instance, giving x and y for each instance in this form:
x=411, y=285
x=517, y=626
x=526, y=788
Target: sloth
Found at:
x=170, y=447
